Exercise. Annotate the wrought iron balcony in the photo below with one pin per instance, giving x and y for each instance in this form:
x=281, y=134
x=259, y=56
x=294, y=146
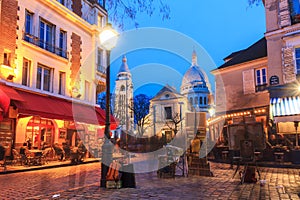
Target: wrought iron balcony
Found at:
x=45, y=45
x=101, y=69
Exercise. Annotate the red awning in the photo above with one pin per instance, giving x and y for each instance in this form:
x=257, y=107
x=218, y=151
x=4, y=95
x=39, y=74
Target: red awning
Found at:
x=6, y=94
x=56, y=108
x=113, y=122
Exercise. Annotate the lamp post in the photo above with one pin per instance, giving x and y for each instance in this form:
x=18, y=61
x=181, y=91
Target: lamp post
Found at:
x=108, y=40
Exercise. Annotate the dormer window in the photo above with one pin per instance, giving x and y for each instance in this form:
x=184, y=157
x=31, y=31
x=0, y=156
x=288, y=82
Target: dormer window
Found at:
x=167, y=96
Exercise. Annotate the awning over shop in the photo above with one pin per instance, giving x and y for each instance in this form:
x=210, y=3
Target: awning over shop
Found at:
x=285, y=109
x=7, y=93
x=56, y=108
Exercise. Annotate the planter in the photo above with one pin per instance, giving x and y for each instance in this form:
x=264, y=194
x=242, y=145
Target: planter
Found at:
x=295, y=156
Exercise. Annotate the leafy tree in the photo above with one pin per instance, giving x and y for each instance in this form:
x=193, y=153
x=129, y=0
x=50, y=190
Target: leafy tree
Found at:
x=121, y=9
x=140, y=108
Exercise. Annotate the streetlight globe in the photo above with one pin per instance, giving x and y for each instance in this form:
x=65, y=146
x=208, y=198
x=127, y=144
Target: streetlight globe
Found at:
x=108, y=37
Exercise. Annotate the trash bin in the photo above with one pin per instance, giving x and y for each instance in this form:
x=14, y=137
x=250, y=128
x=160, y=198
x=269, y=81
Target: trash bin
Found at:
x=128, y=176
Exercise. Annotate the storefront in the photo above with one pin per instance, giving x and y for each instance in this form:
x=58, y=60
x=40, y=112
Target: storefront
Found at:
x=46, y=120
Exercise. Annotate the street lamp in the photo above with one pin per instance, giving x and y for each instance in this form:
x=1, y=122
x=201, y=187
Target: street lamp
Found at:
x=108, y=40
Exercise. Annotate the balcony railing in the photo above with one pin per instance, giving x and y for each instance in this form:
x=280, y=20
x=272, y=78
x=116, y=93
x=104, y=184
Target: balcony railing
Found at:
x=101, y=69
x=260, y=88
x=45, y=45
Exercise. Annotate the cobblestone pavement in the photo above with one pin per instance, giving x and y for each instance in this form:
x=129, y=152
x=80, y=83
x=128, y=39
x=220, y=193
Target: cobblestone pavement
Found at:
x=82, y=182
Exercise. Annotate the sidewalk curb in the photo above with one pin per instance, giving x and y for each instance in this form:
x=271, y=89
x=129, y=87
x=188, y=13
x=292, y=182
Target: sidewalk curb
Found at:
x=46, y=167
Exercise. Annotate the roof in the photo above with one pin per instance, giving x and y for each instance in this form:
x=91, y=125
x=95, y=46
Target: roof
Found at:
x=167, y=88
x=233, y=55
x=255, y=51
x=124, y=66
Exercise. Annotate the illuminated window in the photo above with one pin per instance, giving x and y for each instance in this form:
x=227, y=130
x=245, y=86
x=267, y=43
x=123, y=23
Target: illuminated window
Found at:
x=26, y=72
x=261, y=79
x=297, y=52
x=44, y=78
x=47, y=35
x=28, y=26
x=62, y=83
x=6, y=58
x=87, y=90
x=62, y=44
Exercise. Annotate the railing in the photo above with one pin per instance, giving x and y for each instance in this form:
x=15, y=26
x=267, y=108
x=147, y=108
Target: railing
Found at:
x=45, y=45
x=101, y=69
x=260, y=88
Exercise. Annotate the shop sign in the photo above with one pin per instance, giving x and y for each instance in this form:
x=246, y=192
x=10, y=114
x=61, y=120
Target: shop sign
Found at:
x=274, y=80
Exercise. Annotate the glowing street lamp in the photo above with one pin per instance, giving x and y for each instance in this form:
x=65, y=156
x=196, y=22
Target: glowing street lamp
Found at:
x=108, y=40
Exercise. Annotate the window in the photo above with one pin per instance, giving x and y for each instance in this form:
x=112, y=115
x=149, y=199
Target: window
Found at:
x=201, y=100
x=168, y=113
x=87, y=90
x=100, y=67
x=62, y=43
x=6, y=58
x=122, y=88
x=261, y=79
x=100, y=21
x=196, y=100
x=26, y=72
x=47, y=32
x=205, y=101
x=28, y=26
x=62, y=83
x=295, y=11
x=61, y=1
x=297, y=60
x=44, y=78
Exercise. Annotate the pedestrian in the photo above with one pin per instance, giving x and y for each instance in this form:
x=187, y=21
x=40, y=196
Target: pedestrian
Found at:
x=59, y=152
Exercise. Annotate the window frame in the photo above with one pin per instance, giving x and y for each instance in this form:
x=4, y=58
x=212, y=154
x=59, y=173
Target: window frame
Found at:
x=61, y=83
x=43, y=78
x=62, y=43
x=297, y=65
x=168, y=112
x=47, y=35
x=260, y=75
x=26, y=77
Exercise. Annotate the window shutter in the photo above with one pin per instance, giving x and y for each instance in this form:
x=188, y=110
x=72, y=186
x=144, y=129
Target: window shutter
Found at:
x=289, y=74
x=248, y=81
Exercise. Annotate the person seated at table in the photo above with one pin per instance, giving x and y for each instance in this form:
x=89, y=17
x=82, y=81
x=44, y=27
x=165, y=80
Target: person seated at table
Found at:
x=59, y=152
x=24, y=151
x=81, y=150
x=67, y=149
x=2, y=152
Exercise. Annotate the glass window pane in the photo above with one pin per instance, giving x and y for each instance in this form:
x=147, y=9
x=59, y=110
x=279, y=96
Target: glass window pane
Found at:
x=39, y=78
x=46, y=79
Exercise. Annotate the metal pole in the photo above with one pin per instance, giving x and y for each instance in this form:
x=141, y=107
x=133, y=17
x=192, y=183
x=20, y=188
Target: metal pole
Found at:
x=107, y=147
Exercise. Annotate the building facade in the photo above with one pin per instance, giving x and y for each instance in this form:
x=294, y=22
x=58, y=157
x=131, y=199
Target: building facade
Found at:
x=123, y=97
x=183, y=112
x=283, y=39
x=241, y=90
x=52, y=67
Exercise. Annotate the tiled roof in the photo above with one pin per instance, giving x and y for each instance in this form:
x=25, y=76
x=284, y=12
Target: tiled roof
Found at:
x=255, y=51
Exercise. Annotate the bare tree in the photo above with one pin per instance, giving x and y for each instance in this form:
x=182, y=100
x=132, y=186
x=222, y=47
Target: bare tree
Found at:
x=101, y=101
x=122, y=9
x=255, y=2
x=174, y=122
x=140, y=108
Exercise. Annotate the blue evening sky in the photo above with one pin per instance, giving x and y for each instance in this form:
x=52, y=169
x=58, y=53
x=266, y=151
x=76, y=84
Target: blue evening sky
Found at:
x=219, y=27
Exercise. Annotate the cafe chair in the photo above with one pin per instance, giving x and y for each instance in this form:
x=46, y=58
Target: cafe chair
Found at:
x=17, y=158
